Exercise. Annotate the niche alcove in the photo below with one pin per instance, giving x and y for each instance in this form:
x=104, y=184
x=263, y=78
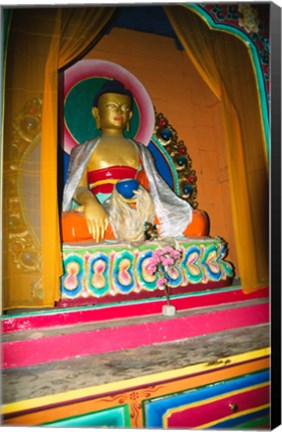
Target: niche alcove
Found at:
x=233, y=354
x=198, y=119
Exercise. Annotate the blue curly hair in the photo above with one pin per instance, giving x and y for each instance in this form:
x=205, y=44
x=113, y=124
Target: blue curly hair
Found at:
x=112, y=86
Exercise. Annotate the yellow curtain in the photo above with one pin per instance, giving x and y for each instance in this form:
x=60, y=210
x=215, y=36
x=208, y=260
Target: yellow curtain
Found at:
x=224, y=62
x=75, y=30
x=41, y=41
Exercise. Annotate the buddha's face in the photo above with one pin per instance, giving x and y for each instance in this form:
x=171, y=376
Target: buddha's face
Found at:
x=113, y=113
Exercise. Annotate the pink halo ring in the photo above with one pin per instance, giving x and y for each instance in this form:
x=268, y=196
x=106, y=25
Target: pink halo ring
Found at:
x=105, y=69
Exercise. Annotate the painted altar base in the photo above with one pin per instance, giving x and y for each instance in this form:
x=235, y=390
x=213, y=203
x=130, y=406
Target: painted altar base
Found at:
x=114, y=272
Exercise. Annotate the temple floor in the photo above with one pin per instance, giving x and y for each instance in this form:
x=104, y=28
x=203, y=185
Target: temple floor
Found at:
x=81, y=372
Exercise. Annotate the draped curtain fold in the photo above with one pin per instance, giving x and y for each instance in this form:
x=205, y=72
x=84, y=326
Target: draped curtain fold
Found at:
x=75, y=30
x=41, y=41
x=224, y=62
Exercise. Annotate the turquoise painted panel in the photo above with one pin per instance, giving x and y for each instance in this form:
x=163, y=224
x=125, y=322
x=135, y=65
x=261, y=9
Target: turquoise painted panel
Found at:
x=98, y=274
x=117, y=417
x=154, y=410
x=72, y=281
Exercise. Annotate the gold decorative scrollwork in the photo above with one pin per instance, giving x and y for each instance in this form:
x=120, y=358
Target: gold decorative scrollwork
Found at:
x=167, y=137
x=23, y=242
x=27, y=124
x=134, y=399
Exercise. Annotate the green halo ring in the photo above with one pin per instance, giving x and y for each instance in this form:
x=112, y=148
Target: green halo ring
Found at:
x=78, y=118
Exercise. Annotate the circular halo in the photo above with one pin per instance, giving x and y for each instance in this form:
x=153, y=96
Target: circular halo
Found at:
x=82, y=80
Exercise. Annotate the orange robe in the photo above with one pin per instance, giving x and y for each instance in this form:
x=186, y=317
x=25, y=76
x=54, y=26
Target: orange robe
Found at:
x=74, y=226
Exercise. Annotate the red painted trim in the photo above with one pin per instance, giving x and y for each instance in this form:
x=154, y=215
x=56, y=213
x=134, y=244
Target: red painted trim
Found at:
x=23, y=353
x=118, y=311
x=192, y=417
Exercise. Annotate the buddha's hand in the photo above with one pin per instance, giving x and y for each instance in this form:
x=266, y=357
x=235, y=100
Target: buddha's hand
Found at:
x=97, y=220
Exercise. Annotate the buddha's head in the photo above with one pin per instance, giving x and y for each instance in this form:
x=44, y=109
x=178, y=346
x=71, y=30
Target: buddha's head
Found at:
x=112, y=107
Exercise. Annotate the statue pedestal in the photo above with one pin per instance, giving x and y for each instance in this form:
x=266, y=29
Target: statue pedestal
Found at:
x=111, y=272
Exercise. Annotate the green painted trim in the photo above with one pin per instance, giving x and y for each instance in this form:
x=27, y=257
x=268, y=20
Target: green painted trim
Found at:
x=5, y=23
x=171, y=164
x=117, y=305
x=7, y=16
x=253, y=424
x=254, y=58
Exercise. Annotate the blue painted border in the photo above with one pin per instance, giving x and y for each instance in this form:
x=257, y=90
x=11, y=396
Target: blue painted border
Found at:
x=164, y=164
x=155, y=409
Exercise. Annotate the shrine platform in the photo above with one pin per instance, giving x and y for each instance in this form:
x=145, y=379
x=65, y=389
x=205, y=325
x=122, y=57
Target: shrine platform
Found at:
x=42, y=337
x=49, y=378
x=96, y=365
x=111, y=272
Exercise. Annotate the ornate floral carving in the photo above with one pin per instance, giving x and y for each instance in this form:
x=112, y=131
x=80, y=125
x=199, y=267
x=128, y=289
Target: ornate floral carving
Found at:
x=249, y=18
x=253, y=20
x=134, y=399
x=167, y=137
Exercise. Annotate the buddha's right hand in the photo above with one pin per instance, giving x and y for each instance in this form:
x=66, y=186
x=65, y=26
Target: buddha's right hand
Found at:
x=97, y=219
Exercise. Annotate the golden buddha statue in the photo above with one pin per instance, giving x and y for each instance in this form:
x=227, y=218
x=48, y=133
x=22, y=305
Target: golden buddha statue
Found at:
x=116, y=186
